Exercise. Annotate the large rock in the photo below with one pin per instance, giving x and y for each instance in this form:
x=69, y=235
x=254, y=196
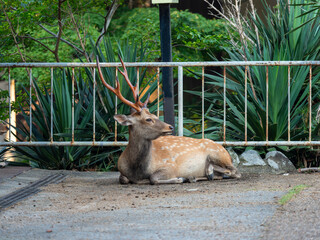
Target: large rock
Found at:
x=251, y=162
x=279, y=163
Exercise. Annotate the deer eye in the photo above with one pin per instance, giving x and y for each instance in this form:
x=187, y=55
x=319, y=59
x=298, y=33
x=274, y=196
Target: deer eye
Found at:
x=149, y=120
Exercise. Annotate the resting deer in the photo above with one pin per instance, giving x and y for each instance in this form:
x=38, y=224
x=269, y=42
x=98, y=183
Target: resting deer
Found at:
x=155, y=155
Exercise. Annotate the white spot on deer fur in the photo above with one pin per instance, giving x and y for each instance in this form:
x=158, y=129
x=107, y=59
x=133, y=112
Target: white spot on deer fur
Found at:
x=173, y=159
x=165, y=160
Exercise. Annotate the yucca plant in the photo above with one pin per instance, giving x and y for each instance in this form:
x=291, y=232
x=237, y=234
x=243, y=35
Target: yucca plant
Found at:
x=57, y=157
x=314, y=6
x=270, y=39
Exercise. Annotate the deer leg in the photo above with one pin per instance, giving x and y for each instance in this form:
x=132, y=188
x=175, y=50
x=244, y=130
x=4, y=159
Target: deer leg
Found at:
x=196, y=179
x=170, y=181
x=216, y=172
x=160, y=177
x=221, y=170
x=227, y=172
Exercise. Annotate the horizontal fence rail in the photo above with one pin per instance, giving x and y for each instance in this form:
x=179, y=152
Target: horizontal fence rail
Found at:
x=180, y=67
x=165, y=64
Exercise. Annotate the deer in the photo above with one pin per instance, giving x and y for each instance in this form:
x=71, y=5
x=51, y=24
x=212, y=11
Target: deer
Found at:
x=154, y=155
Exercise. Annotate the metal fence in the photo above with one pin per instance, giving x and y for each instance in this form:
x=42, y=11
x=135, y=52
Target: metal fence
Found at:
x=180, y=66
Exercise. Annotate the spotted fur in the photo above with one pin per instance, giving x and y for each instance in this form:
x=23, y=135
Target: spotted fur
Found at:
x=168, y=159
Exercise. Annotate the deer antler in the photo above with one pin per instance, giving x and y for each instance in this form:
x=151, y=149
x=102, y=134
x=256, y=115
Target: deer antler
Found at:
x=134, y=89
x=138, y=105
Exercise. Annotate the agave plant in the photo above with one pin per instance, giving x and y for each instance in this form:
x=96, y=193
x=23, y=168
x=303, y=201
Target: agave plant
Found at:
x=275, y=40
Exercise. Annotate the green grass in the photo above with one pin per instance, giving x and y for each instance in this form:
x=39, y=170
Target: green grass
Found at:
x=293, y=192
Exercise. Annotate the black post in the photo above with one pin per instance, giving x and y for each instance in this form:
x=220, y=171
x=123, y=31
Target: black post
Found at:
x=166, y=56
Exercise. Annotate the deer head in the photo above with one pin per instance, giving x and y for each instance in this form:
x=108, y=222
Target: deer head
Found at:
x=142, y=124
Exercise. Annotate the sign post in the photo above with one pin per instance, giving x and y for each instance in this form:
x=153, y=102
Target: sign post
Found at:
x=166, y=56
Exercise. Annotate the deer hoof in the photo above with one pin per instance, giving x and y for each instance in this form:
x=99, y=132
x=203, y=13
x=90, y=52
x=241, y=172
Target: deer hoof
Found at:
x=210, y=176
x=210, y=172
x=182, y=180
x=123, y=180
x=192, y=179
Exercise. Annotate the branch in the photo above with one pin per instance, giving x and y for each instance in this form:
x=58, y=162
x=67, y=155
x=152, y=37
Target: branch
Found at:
x=253, y=10
x=220, y=13
x=234, y=17
x=62, y=40
x=13, y=33
x=56, y=50
x=311, y=169
x=115, y=4
x=38, y=41
x=76, y=27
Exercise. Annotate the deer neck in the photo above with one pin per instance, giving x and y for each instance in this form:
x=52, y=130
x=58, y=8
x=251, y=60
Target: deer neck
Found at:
x=138, y=155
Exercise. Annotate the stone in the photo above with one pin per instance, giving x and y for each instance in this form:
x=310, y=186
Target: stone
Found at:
x=3, y=164
x=251, y=158
x=279, y=163
x=251, y=162
x=234, y=156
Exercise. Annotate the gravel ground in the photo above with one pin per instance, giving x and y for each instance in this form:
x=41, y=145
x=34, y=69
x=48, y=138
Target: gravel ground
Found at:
x=91, y=205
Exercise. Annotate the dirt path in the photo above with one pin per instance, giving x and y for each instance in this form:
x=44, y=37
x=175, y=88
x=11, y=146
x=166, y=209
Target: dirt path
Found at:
x=95, y=206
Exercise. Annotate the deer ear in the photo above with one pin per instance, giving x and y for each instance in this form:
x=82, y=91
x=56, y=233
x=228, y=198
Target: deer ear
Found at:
x=123, y=119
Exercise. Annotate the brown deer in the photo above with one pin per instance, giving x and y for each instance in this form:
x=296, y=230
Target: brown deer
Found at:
x=154, y=155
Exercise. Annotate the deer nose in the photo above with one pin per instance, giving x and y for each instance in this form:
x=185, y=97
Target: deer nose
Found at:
x=171, y=128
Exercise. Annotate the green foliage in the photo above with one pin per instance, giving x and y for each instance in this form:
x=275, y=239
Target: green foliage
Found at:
x=25, y=18
x=16, y=105
x=277, y=42
x=4, y=109
x=192, y=35
x=20, y=101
